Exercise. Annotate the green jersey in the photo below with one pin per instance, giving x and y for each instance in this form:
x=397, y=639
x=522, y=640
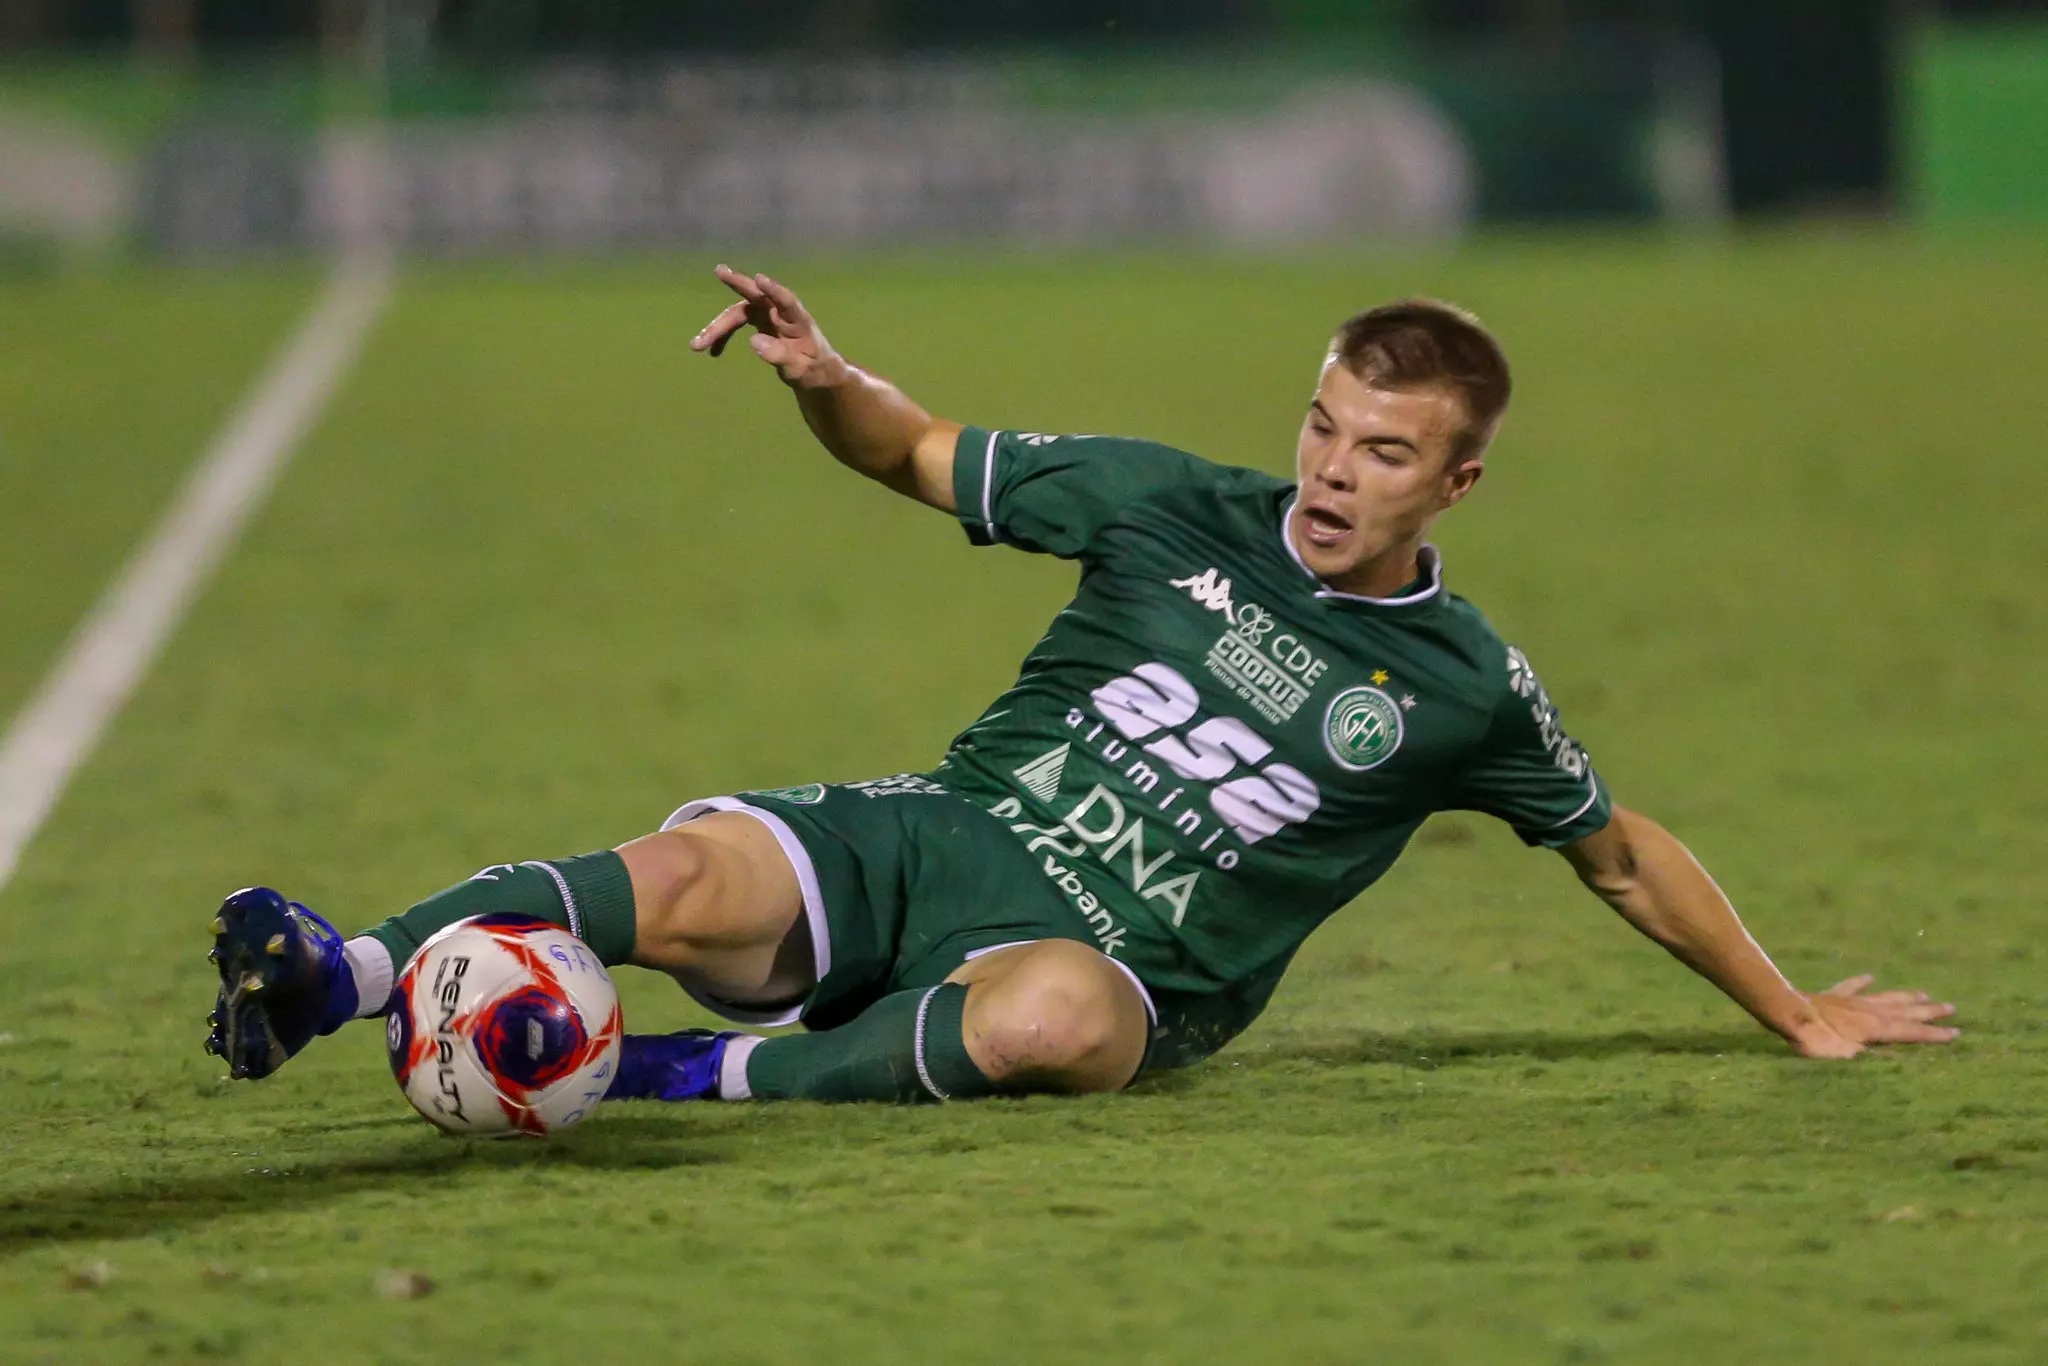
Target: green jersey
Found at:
x=1210, y=751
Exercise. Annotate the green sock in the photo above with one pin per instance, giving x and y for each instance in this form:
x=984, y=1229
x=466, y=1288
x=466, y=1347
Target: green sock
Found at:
x=590, y=895
x=909, y=1046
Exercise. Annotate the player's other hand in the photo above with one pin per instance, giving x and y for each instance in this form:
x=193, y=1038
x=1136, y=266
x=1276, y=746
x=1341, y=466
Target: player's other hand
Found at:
x=785, y=335
x=1847, y=1020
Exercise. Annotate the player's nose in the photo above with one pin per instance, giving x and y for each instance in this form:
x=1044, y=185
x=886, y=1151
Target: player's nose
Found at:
x=1334, y=471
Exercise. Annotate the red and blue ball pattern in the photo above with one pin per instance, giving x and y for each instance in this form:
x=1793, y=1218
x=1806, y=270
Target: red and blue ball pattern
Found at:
x=530, y=1039
x=525, y=1040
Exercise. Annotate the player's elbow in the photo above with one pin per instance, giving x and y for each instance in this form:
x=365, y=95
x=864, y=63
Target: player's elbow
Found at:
x=927, y=473
x=1613, y=884
x=1609, y=861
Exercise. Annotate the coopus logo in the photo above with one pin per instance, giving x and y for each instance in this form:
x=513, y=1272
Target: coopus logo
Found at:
x=1362, y=729
x=1273, y=670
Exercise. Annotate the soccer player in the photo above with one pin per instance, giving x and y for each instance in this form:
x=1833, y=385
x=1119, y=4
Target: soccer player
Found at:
x=1259, y=692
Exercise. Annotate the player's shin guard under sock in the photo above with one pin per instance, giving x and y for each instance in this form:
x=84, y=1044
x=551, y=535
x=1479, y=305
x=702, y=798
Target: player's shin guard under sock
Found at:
x=909, y=1046
x=591, y=895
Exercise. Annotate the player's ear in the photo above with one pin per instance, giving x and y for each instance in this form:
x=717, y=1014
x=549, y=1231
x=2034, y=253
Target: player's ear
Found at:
x=1462, y=475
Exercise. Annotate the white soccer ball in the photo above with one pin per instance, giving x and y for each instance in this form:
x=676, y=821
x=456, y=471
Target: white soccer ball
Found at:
x=502, y=1025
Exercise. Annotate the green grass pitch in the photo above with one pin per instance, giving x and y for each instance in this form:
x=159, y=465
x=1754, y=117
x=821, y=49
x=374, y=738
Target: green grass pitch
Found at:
x=1768, y=515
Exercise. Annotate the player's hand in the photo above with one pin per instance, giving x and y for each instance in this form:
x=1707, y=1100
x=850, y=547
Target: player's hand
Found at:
x=1848, y=1020
x=785, y=335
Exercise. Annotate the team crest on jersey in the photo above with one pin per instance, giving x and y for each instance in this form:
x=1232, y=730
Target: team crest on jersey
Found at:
x=809, y=794
x=1362, y=729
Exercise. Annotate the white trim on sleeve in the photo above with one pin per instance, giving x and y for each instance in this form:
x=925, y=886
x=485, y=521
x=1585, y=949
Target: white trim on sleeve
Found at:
x=1593, y=780
x=988, y=486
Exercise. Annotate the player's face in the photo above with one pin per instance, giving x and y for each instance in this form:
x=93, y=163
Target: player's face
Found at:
x=1376, y=467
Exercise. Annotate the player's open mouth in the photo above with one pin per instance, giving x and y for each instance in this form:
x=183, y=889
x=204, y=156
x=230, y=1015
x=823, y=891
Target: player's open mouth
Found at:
x=1323, y=527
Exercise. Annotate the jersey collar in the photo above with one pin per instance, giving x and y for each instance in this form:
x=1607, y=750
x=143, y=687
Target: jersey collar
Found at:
x=1427, y=560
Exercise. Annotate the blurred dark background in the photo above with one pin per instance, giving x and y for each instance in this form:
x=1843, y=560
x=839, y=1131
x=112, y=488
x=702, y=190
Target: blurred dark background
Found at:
x=1682, y=110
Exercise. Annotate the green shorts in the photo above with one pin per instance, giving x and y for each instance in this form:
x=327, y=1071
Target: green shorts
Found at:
x=904, y=881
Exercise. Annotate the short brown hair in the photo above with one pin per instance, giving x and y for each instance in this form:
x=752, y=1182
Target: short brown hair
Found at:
x=1417, y=343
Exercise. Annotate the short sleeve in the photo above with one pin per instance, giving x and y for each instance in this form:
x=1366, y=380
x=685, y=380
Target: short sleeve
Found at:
x=1528, y=772
x=1055, y=494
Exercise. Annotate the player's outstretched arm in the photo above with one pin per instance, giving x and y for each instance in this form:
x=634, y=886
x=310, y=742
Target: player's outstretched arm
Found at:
x=1641, y=870
x=867, y=423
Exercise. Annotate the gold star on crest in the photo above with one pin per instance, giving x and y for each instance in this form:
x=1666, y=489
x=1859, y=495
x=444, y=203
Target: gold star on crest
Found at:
x=1380, y=675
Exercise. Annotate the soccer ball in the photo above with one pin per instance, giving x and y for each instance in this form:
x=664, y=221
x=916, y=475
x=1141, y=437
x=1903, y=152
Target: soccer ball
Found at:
x=503, y=1025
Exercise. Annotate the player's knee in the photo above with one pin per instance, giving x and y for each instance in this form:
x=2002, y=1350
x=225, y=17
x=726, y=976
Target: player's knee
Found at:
x=1058, y=1021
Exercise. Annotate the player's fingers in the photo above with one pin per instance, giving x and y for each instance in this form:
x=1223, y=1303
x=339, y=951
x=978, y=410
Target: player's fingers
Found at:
x=716, y=347
x=784, y=299
x=775, y=350
x=719, y=330
x=742, y=285
x=1849, y=986
x=1904, y=1032
x=1923, y=1010
x=1894, y=998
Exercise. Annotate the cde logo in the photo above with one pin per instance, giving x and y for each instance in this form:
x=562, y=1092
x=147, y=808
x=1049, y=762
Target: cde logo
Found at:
x=1362, y=729
x=1274, y=671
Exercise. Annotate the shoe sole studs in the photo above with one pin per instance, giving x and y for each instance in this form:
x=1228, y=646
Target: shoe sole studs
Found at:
x=247, y=960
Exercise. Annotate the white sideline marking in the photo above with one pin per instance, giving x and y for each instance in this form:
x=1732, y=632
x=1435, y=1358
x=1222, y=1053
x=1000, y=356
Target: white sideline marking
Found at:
x=113, y=648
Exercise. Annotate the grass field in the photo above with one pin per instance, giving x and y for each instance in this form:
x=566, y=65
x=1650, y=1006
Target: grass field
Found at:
x=1768, y=515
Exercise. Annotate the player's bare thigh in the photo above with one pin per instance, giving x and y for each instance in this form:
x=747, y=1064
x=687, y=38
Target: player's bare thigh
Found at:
x=717, y=905
x=1055, y=1015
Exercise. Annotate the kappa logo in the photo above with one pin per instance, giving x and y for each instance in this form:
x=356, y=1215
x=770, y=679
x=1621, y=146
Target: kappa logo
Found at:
x=1271, y=669
x=1210, y=589
x=1041, y=777
x=1362, y=729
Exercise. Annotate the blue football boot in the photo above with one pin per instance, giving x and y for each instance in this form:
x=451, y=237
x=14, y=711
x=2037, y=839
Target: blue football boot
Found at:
x=282, y=981
x=681, y=1066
